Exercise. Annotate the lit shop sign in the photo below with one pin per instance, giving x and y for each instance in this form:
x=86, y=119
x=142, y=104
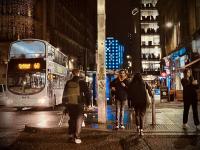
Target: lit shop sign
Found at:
x=27, y=66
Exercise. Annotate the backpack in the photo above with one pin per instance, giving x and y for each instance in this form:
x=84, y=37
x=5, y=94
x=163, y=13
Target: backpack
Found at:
x=72, y=92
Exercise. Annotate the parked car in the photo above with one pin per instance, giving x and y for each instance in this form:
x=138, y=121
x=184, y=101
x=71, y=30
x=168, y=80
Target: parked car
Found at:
x=3, y=96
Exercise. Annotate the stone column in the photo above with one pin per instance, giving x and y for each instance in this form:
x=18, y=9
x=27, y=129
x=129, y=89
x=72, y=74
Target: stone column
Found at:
x=101, y=70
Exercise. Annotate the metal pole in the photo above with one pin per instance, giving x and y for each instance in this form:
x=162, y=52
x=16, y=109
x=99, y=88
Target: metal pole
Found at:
x=153, y=112
x=86, y=62
x=101, y=70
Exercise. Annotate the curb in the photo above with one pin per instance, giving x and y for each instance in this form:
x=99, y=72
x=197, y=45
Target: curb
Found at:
x=34, y=129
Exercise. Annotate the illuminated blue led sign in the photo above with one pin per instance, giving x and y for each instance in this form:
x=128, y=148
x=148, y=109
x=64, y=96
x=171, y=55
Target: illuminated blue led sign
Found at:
x=114, y=53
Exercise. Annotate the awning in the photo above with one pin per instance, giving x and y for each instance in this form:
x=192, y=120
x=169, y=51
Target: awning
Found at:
x=191, y=63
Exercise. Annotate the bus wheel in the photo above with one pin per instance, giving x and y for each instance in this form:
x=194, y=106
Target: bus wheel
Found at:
x=19, y=108
x=54, y=102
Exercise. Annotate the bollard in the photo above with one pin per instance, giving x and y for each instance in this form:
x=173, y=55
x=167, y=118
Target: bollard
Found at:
x=153, y=112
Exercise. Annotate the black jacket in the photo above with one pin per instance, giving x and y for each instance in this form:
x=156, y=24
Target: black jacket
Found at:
x=121, y=91
x=189, y=90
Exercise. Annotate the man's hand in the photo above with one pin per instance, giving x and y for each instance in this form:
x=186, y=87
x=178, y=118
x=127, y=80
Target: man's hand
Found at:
x=113, y=89
x=194, y=82
x=123, y=84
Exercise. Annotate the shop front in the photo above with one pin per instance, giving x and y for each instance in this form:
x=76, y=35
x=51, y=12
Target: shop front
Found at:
x=174, y=65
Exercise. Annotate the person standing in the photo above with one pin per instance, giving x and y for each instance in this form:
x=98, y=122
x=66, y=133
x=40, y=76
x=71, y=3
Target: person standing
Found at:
x=119, y=86
x=76, y=94
x=190, y=98
x=138, y=96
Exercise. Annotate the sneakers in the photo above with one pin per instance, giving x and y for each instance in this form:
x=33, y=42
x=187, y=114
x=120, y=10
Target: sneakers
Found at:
x=117, y=127
x=83, y=124
x=77, y=140
x=185, y=126
x=141, y=132
x=122, y=127
x=73, y=139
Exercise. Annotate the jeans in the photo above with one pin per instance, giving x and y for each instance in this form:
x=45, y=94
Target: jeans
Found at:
x=76, y=118
x=186, y=111
x=120, y=104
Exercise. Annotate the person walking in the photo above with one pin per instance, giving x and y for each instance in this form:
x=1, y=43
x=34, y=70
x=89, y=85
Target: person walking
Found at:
x=119, y=86
x=190, y=98
x=138, y=96
x=76, y=94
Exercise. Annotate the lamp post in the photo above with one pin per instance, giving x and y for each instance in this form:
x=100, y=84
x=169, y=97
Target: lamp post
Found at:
x=129, y=63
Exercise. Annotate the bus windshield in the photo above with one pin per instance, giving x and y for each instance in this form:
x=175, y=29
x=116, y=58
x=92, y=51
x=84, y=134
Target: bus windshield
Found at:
x=27, y=49
x=24, y=84
x=26, y=76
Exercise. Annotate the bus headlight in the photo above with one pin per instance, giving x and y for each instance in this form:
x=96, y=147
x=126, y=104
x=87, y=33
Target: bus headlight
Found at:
x=8, y=102
x=42, y=101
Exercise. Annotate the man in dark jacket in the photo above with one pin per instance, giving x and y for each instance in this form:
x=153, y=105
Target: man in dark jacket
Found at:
x=75, y=95
x=119, y=86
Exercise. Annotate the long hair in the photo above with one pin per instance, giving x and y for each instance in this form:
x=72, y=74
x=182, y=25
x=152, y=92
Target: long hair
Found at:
x=185, y=72
x=137, y=78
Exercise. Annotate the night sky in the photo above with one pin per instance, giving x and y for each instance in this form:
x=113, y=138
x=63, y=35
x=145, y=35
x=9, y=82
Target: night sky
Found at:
x=118, y=19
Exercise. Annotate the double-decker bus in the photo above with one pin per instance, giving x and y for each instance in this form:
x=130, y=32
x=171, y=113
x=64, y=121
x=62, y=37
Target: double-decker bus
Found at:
x=36, y=74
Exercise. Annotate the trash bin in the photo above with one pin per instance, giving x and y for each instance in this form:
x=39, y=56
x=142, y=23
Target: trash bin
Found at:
x=172, y=95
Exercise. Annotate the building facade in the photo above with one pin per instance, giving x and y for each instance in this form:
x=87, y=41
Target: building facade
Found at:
x=114, y=54
x=150, y=39
x=66, y=24
x=134, y=38
x=180, y=38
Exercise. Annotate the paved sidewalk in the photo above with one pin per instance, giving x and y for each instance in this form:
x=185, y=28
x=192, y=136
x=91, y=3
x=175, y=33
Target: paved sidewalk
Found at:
x=166, y=134
x=168, y=119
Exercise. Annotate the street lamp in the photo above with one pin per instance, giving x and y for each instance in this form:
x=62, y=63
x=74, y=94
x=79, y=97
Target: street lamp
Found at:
x=169, y=24
x=128, y=56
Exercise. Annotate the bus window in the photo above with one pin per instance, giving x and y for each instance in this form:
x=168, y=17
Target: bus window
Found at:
x=51, y=53
x=27, y=49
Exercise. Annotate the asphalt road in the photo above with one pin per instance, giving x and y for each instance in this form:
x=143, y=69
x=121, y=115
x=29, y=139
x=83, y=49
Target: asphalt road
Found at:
x=12, y=122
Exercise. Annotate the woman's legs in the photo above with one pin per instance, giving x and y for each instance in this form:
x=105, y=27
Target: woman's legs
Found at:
x=142, y=114
x=137, y=117
x=185, y=112
x=195, y=113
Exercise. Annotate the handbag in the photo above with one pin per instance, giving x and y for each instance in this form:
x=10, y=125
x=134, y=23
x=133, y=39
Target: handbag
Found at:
x=148, y=97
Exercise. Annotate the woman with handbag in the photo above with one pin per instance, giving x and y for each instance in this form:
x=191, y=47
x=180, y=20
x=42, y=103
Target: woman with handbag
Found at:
x=138, y=96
